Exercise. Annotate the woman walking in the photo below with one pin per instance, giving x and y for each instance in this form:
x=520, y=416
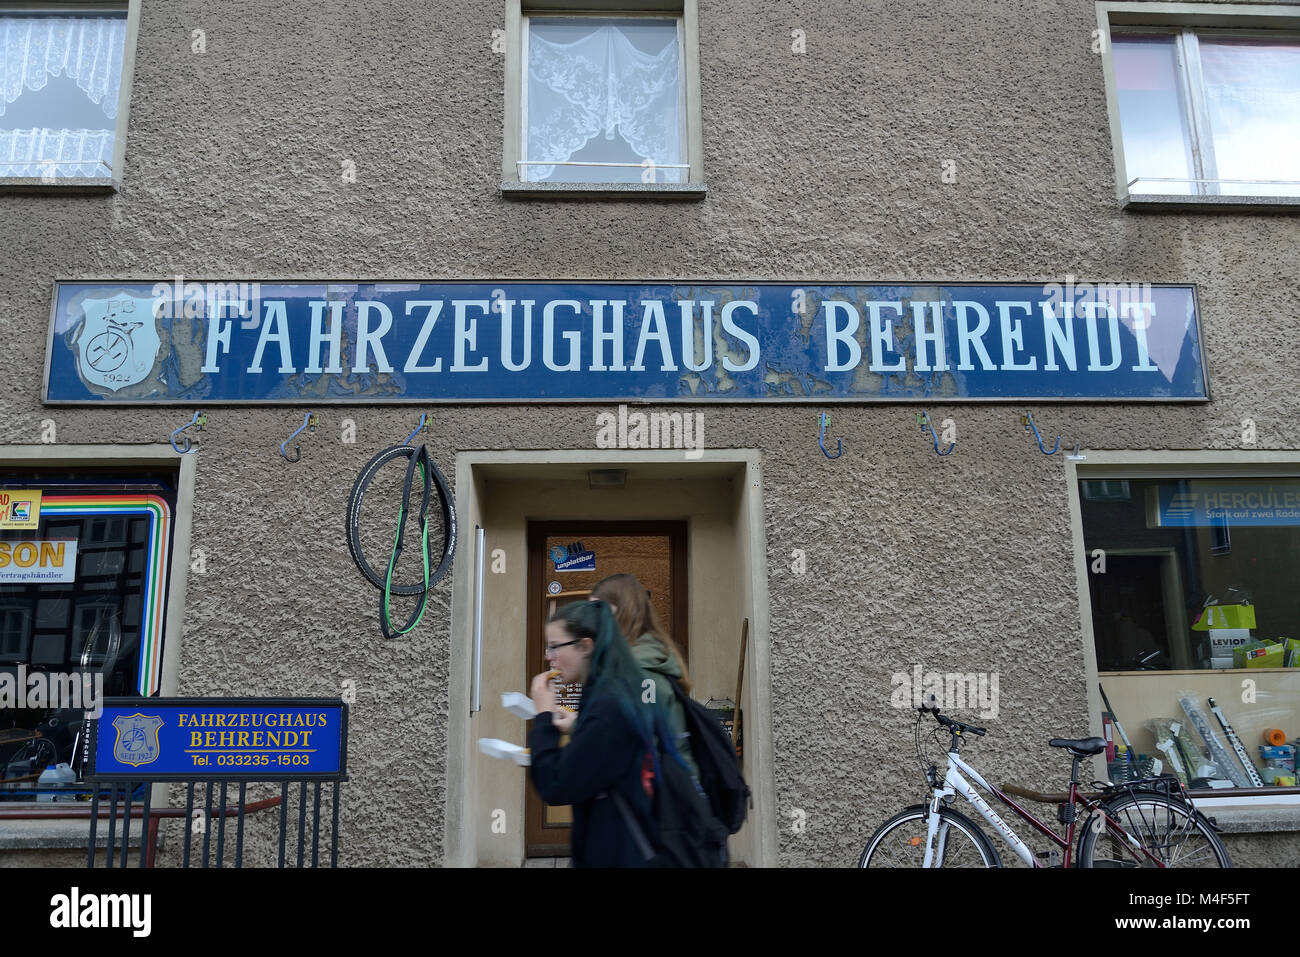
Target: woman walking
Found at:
x=609, y=751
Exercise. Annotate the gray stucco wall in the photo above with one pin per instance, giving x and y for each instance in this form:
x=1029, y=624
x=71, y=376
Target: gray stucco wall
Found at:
x=823, y=166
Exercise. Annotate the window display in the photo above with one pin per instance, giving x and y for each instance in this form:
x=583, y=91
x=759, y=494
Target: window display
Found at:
x=1196, y=626
x=83, y=584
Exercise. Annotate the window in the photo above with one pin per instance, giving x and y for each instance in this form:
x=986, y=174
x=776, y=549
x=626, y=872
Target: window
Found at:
x=600, y=101
x=1205, y=110
x=64, y=84
x=83, y=595
x=1182, y=613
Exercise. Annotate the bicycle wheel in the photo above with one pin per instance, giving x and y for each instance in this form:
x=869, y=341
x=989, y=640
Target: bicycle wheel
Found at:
x=1166, y=828
x=435, y=486
x=900, y=842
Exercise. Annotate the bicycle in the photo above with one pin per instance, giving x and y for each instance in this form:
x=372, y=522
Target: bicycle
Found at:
x=1146, y=823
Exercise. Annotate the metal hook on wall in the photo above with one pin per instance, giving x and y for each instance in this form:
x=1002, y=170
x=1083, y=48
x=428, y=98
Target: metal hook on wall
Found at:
x=418, y=429
x=1028, y=422
x=308, y=422
x=923, y=420
x=186, y=445
x=821, y=439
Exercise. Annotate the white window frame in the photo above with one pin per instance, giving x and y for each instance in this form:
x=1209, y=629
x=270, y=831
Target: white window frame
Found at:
x=1114, y=465
x=109, y=179
x=685, y=12
x=1186, y=22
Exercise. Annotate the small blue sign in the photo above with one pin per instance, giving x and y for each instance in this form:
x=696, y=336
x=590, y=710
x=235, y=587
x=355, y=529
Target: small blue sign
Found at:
x=1235, y=504
x=231, y=738
x=409, y=342
x=578, y=562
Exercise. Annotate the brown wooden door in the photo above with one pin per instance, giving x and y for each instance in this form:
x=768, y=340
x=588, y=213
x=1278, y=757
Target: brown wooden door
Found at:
x=655, y=552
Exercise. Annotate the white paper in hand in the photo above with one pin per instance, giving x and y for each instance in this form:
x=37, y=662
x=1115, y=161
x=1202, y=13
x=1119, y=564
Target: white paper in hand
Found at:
x=520, y=705
x=496, y=748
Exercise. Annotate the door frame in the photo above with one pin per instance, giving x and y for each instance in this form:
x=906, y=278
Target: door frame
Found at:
x=471, y=834
x=1171, y=586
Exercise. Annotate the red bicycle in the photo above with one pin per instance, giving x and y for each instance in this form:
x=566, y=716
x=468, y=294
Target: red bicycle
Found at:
x=1146, y=823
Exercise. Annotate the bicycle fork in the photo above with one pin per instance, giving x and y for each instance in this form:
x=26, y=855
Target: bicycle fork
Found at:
x=936, y=832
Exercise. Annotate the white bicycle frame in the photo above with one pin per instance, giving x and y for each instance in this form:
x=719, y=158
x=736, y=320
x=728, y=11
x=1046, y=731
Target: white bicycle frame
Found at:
x=954, y=783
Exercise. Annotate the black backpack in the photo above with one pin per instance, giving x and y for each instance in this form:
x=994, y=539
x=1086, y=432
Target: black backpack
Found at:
x=720, y=776
x=687, y=833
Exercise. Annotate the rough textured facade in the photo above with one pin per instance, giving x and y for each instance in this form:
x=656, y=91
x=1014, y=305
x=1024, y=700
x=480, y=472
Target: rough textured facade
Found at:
x=822, y=166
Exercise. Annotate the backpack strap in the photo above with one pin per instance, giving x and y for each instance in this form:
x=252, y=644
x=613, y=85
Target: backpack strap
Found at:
x=638, y=835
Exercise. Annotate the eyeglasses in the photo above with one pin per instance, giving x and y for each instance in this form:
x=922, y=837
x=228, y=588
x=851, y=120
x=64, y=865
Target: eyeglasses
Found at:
x=552, y=649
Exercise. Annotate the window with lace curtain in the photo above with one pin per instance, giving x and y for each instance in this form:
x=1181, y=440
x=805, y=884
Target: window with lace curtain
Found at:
x=604, y=99
x=61, y=77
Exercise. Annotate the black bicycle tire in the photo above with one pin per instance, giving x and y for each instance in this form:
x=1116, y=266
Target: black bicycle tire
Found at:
x=352, y=520
x=1088, y=842
x=956, y=818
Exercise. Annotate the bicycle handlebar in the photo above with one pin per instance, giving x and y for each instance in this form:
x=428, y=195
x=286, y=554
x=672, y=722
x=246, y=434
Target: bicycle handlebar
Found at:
x=951, y=724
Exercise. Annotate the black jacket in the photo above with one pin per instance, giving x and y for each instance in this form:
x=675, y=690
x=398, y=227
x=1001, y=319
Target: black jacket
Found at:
x=604, y=754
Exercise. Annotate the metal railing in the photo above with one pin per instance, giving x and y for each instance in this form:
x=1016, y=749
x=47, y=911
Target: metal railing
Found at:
x=211, y=818
x=47, y=165
x=1244, y=182
x=584, y=163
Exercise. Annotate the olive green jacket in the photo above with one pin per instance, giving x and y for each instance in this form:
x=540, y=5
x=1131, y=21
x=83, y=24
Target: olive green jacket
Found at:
x=659, y=663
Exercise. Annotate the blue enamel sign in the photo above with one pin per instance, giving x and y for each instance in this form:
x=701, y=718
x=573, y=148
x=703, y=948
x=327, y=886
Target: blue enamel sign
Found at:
x=233, y=738
x=384, y=343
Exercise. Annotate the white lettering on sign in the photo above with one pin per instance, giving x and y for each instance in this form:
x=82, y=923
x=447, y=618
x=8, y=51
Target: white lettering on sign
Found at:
x=896, y=336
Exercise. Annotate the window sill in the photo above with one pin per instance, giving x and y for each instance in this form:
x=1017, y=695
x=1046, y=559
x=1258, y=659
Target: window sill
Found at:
x=64, y=184
x=60, y=835
x=607, y=191
x=1143, y=202
x=1240, y=818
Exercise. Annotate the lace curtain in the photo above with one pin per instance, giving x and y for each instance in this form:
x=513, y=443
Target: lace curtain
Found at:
x=86, y=49
x=598, y=84
x=56, y=152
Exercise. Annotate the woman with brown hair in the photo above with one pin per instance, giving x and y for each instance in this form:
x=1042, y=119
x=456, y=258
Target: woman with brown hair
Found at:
x=653, y=648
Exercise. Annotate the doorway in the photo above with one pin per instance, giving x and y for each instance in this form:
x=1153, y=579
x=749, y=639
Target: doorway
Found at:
x=499, y=602
x=1138, y=612
x=565, y=561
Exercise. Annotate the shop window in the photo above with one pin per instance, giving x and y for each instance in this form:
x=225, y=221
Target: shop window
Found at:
x=1204, y=113
x=83, y=591
x=603, y=100
x=61, y=93
x=1191, y=585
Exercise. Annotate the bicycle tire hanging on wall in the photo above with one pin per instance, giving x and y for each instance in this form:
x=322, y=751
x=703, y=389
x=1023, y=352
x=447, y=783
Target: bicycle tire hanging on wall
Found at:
x=433, y=483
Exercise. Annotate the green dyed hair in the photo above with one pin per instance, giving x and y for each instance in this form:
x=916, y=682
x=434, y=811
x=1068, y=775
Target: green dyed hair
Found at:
x=612, y=670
